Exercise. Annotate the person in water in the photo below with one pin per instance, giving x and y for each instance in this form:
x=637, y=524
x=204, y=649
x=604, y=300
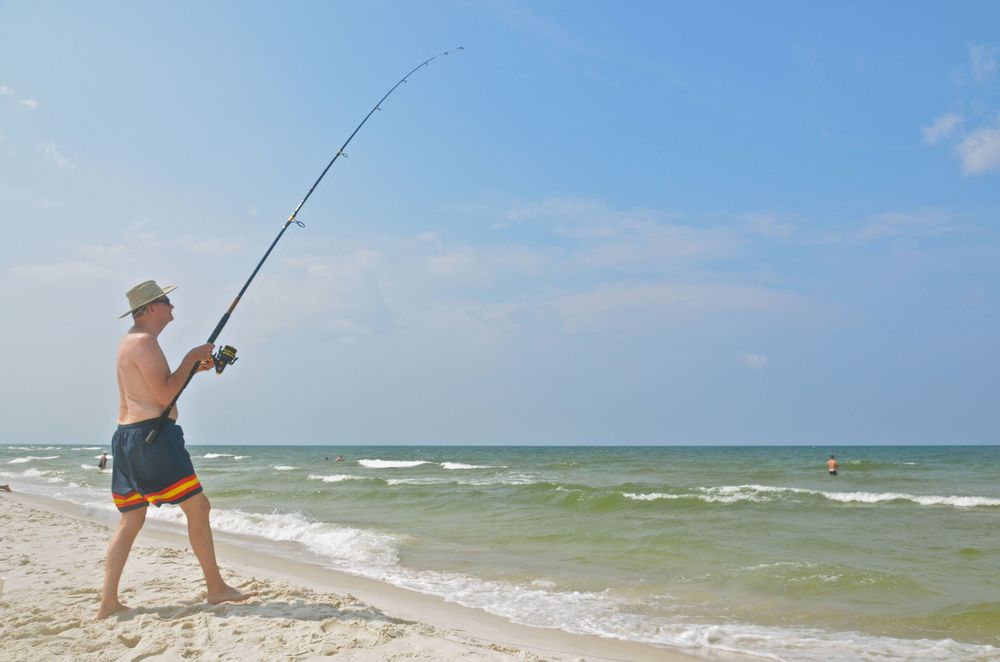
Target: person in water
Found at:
x=161, y=472
x=102, y=464
x=832, y=466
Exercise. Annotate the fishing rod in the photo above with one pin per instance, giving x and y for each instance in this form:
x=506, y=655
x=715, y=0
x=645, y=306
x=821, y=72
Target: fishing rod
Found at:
x=227, y=354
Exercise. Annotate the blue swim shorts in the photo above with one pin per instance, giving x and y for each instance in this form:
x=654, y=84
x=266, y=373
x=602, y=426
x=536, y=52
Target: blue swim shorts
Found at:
x=145, y=474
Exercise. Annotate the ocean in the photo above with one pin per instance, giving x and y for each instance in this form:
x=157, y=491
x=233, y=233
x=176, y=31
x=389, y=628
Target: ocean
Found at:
x=755, y=550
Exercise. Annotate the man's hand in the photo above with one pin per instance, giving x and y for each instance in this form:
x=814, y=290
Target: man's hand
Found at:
x=202, y=354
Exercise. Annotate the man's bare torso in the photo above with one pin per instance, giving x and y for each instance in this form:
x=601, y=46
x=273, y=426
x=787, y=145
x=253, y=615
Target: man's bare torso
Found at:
x=136, y=401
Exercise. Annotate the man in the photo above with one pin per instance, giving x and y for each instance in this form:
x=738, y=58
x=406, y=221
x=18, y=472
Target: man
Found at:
x=161, y=472
x=832, y=466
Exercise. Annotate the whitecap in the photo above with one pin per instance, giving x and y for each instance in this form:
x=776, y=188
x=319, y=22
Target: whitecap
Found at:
x=391, y=464
x=283, y=467
x=417, y=481
x=22, y=460
x=335, y=478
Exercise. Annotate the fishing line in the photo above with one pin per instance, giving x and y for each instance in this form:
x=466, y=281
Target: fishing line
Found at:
x=227, y=354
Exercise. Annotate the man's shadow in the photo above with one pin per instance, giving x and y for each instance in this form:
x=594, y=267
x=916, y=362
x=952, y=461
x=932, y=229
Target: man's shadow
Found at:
x=298, y=610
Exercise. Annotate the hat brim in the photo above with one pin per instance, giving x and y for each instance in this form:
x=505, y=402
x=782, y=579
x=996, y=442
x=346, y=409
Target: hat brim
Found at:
x=166, y=290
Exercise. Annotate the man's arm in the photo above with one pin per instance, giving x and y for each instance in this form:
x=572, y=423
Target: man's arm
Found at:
x=152, y=364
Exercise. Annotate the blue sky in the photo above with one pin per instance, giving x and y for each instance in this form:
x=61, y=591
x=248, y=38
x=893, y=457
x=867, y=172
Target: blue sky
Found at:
x=600, y=223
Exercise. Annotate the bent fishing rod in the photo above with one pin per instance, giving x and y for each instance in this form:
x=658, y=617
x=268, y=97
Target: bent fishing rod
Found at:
x=227, y=354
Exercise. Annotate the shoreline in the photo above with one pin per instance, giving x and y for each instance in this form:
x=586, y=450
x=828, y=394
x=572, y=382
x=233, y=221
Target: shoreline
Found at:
x=378, y=620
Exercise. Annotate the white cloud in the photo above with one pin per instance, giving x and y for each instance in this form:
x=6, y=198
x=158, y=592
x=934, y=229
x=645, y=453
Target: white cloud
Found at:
x=980, y=151
x=642, y=305
x=941, y=128
x=752, y=360
x=984, y=60
x=769, y=224
x=896, y=224
x=57, y=157
x=202, y=246
x=630, y=238
x=30, y=104
x=462, y=265
x=65, y=272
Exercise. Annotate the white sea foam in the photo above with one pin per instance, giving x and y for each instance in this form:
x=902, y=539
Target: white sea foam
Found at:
x=335, y=478
x=213, y=456
x=47, y=476
x=31, y=458
x=357, y=550
x=87, y=448
x=655, y=496
x=33, y=448
x=460, y=465
x=764, y=493
x=284, y=467
x=417, y=481
x=923, y=500
x=391, y=464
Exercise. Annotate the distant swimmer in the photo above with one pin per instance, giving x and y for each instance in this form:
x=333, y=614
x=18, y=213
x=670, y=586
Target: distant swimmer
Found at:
x=832, y=465
x=340, y=458
x=102, y=464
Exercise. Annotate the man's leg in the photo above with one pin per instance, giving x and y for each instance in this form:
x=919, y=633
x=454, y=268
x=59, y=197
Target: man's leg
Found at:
x=196, y=510
x=118, y=549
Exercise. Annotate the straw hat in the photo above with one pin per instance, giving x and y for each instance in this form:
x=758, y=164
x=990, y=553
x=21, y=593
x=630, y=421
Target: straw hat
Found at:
x=144, y=293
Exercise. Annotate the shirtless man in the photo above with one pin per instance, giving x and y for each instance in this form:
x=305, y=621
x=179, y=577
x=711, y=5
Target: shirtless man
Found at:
x=162, y=472
x=832, y=466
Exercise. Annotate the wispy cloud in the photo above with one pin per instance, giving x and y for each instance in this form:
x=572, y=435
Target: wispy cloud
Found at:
x=984, y=60
x=208, y=246
x=980, y=150
x=941, y=128
x=648, y=305
x=606, y=237
x=895, y=224
x=769, y=224
x=7, y=91
x=53, y=154
x=754, y=360
x=520, y=18
x=65, y=272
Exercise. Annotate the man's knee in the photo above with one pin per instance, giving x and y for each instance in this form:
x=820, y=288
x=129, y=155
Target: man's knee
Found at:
x=196, y=506
x=132, y=521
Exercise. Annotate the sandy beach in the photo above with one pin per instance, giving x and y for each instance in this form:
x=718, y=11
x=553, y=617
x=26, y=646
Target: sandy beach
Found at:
x=51, y=560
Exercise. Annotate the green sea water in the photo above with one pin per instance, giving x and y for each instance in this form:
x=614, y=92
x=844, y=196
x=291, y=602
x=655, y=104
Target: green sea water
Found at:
x=750, y=549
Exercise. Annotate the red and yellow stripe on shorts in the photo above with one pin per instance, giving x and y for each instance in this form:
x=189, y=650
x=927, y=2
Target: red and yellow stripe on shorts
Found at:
x=171, y=494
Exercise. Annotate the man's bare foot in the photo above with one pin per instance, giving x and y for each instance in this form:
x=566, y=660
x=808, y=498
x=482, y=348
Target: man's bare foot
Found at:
x=107, y=610
x=5, y=488
x=228, y=594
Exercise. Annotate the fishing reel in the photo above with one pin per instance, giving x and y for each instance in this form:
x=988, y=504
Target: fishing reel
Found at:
x=223, y=357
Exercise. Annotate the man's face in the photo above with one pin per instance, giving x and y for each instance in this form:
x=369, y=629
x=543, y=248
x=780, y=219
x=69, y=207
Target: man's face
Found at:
x=162, y=306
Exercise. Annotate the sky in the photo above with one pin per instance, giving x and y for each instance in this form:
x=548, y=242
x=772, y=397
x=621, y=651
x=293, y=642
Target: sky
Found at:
x=598, y=223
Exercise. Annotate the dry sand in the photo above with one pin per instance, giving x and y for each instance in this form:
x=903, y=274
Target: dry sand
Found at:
x=52, y=560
